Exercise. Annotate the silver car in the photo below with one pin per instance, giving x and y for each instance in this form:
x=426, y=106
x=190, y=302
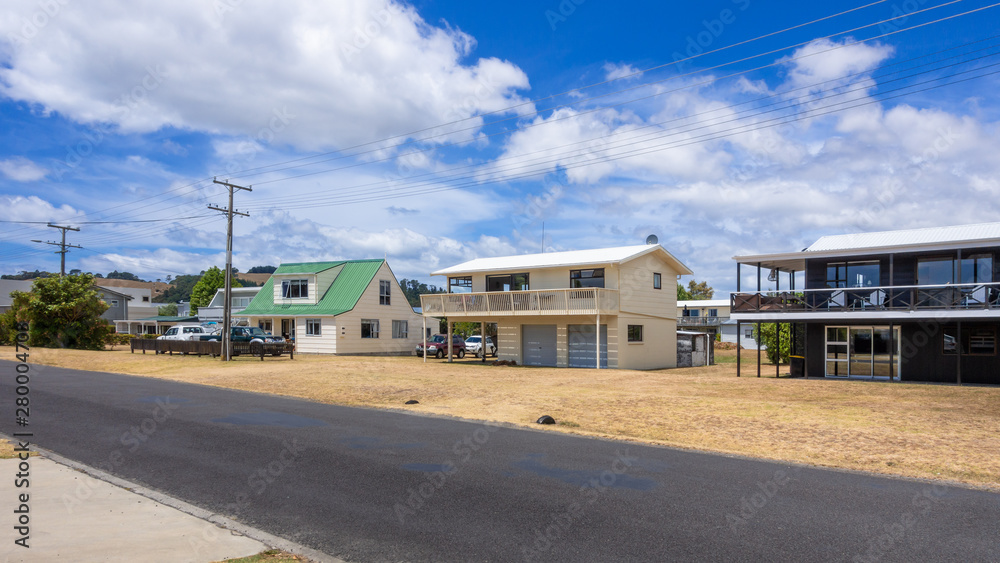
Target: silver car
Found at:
x=473, y=345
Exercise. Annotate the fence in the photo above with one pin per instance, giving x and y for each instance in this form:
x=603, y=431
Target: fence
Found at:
x=213, y=347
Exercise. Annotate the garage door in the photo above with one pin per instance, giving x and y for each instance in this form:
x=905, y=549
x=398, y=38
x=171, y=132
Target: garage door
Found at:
x=538, y=345
x=582, y=346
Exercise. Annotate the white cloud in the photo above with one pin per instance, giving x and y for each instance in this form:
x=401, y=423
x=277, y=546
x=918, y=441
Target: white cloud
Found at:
x=614, y=71
x=21, y=169
x=34, y=208
x=309, y=74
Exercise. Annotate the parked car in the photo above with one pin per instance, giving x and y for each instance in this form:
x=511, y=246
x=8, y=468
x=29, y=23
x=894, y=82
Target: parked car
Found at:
x=437, y=346
x=184, y=332
x=473, y=345
x=245, y=334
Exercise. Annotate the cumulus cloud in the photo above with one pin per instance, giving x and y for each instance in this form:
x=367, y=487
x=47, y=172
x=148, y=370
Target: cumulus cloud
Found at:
x=614, y=71
x=21, y=169
x=307, y=74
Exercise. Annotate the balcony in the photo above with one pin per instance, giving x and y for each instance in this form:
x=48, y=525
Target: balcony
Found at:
x=699, y=321
x=589, y=301
x=973, y=296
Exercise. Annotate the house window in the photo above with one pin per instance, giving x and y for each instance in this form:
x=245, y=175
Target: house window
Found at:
x=460, y=285
x=265, y=325
x=975, y=341
x=586, y=278
x=241, y=302
x=145, y=299
x=369, y=328
x=314, y=327
x=852, y=274
x=295, y=289
x=935, y=271
x=507, y=282
x=114, y=302
x=748, y=333
x=383, y=292
x=657, y=281
x=400, y=329
x=713, y=312
x=977, y=268
x=635, y=333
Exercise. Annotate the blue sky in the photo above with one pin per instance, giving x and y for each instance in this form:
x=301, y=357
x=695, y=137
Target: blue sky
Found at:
x=435, y=132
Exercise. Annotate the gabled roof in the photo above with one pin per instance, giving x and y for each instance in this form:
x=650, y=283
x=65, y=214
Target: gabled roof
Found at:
x=594, y=257
x=102, y=289
x=342, y=296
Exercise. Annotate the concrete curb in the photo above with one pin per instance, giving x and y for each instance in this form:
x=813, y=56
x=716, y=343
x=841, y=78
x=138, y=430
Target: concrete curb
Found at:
x=216, y=519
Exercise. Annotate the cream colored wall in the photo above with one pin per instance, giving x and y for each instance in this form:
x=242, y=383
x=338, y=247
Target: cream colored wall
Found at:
x=349, y=339
x=659, y=343
x=324, y=280
x=703, y=311
x=325, y=343
x=637, y=294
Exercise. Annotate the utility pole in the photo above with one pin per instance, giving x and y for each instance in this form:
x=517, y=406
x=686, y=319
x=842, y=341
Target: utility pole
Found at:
x=62, y=246
x=227, y=307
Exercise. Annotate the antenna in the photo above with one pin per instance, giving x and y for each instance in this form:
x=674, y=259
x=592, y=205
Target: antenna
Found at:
x=651, y=239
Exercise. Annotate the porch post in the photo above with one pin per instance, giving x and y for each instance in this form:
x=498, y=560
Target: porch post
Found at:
x=482, y=345
x=449, y=340
x=739, y=333
x=758, y=342
x=598, y=338
x=892, y=350
x=737, y=277
x=423, y=337
x=958, y=354
x=777, y=364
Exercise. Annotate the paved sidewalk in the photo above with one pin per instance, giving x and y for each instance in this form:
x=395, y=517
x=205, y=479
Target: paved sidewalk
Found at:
x=76, y=517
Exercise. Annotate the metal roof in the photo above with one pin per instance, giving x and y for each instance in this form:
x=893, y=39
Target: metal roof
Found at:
x=703, y=303
x=168, y=319
x=909, y=237
x=884, y=242
x=342, y=296
x=593, y=257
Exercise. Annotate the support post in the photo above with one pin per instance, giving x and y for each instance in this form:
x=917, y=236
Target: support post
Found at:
x=482, y=330
x=958, y=354
x=758, y=334
x=739, y=336
x=892, y=352
x=227, y=306
x=777, y=363
x=599, y=336
x=449, y=341
x=423, y=337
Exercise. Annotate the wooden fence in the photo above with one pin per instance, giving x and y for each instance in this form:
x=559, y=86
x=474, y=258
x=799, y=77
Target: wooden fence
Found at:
x=213, y=347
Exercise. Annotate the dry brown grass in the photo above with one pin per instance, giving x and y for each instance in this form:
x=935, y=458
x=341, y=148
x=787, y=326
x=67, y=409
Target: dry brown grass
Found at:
x=925, y=431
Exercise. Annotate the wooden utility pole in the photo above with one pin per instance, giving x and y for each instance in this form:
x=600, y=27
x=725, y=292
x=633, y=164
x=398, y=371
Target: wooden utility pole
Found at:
x=227, y=307
x=62, y=246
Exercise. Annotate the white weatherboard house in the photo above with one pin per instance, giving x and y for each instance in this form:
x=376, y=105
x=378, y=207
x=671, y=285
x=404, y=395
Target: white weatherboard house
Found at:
x=350, y=307
x=548, y=306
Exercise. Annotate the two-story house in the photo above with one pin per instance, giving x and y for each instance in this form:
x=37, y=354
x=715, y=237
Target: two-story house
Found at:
x=608, y=307
x=350, y=307
x=910, y=305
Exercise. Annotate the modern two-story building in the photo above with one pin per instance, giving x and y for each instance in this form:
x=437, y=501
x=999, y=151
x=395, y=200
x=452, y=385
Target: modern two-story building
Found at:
x=911, y=305
x=609, y=307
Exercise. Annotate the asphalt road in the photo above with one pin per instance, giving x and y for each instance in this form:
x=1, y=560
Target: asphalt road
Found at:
x=369, y=485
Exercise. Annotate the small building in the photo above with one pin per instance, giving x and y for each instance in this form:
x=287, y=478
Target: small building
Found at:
x=909, y=305
x=350, y=307
x=712, y=316
x=9, y=286
x=240, y=299
x=607, y=307
x=117, y=301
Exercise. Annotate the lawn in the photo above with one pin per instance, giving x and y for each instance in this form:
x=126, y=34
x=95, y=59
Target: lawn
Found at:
x=916, y=430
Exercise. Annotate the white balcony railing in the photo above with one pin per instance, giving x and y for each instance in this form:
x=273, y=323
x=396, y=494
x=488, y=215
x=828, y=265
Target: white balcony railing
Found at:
x=588, y=301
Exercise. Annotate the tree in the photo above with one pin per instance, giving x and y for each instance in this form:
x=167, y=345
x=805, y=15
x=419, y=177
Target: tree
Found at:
x=207, y=286
x=63, y=313
x=682, y=294
x=262, y=270
x=25, y=275
x=700, y=290
x=180, y=289
x=169, y=310
x=769, y=338
x=412, y=289
x=116, y=275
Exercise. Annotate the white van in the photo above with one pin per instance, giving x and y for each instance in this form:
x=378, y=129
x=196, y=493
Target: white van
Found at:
x=184, y=332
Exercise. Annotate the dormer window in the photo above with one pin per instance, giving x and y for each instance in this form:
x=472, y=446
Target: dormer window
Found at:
x=295, y=289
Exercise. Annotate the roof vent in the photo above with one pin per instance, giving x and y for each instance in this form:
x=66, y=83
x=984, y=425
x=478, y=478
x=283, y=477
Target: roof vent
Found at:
x=651, y=239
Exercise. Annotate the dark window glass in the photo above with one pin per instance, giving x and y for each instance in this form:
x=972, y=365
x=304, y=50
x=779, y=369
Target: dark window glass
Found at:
x=635, y=333
x=977, y=268
x=460, y=285
x=295, y=289
x=657, y=281
x=935, y=271
x=507, y=282
x=586, y=278
x=383, y=292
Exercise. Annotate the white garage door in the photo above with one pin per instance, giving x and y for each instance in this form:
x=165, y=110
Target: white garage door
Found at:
x=538, y=345
x=582, y=346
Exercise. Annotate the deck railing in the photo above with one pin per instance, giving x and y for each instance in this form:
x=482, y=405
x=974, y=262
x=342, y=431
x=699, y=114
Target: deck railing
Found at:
x=699, y=321
x=895, y=298
x=589, y=301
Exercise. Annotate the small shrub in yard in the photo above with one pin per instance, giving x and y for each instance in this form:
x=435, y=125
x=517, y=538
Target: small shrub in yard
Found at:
x=116, y=339
x=504, y=363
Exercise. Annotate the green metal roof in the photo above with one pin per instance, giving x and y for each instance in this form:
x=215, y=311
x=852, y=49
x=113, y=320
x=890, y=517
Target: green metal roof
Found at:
x=341, y=297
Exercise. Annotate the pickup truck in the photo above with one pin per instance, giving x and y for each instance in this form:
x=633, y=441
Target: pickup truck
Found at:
x=244, y=334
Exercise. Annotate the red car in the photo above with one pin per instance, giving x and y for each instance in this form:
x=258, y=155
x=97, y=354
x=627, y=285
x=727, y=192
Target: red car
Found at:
x=437, y=346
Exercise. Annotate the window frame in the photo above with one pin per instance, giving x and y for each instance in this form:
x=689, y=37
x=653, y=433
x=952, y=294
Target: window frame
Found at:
x=400, y=334
x=373, y=328
x=511, y=279
x=384, y=292
x=635, y=334
x=576, y=278
x=314, y=327
x=460, y=282
x=300, y=283
x=965, y=346
x=657, y=280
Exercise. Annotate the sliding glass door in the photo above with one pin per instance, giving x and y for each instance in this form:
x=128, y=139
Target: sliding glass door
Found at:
x=862, y=351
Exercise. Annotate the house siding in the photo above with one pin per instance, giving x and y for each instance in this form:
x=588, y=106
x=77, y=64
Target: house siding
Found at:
x=325, y=343
x=368, y=307
x=657, y=335
x=637, y=294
